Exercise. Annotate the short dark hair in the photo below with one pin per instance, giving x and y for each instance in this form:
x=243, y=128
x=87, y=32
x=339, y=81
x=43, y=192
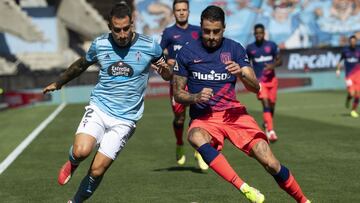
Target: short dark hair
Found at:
x=180, y=1
x=352, y=36
x=259, y=25
x=213, y=13
x=120, y=10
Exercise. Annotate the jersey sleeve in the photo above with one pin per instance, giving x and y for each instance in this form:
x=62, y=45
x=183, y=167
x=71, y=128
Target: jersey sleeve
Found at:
x=164, y=43
x=241, y=56
x=91, y=55
x=180, y=67
x=342, y=55
x=157, y=52
x=248, y=52
x=275, y=49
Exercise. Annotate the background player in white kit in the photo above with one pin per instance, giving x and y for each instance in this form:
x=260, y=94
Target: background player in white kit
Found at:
x=117, y=101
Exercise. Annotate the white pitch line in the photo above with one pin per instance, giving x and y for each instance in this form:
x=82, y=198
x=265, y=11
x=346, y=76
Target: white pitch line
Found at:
x=20, y=148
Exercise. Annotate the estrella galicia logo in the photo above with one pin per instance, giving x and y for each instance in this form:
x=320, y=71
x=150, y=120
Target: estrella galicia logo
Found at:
x=120, y=69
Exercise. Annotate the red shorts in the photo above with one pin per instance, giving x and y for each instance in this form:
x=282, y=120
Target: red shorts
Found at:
x=176, y=107
x=236, y=125
x=353, y=83
x=268, y=90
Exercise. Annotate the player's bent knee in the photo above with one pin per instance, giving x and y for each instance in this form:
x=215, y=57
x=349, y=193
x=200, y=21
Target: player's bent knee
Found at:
x=198, y=137
x=272, y=166
x=194, y=133
x=81, y=151
x=97, y=171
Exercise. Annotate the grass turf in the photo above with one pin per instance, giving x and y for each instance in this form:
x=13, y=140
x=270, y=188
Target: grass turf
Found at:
x=318, y=141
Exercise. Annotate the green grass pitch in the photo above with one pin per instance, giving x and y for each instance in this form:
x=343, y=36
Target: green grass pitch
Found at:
x=318, y=141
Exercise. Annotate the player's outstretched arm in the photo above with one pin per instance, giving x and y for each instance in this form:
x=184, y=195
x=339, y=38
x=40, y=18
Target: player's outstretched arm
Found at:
x=338, y=69
x=163, y=69
x=184, y=97
x=160, y=65
x=74, y=70
x=338, y=65
x=249, y=80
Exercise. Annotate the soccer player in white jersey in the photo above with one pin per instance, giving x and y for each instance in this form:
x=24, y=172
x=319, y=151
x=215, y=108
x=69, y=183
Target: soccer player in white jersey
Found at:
x=117, y=101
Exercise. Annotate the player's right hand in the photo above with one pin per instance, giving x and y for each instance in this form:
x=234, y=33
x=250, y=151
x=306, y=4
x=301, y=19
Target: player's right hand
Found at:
x=52, y=87
x=204, y=95
x=337, y=73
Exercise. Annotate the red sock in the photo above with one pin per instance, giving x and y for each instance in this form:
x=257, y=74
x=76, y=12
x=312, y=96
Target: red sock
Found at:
x=223, y=168
x=268, y=120
x=293, y=189
x=178, y=130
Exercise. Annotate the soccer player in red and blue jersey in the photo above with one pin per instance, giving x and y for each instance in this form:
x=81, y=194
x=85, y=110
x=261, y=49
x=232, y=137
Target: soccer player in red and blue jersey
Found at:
x=210, y=67
x=173, y=38
x=350, y=55
x=264, y=56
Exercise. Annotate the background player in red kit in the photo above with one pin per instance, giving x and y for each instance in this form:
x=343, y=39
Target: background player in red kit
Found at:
x=173, y=38
x=351, y=56
x=264, y=56
x=210, y=68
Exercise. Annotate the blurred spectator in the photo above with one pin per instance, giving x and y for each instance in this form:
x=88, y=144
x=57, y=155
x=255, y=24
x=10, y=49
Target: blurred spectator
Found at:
x=341, y=9
x=336, y=21
x=224, y=5
x=242, y=9
x=284, y=24
x=153, y=16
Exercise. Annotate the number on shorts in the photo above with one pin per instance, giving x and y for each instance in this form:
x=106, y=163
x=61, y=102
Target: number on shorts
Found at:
x=88, y=113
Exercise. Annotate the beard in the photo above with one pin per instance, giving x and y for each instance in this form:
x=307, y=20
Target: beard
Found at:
x=181, y=22
x=212, y=45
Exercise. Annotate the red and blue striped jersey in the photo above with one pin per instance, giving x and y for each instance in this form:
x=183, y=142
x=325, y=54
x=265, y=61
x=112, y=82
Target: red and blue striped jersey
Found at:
x=351, y=58
x=206, y=69
x=174, y=37
x=260, y=55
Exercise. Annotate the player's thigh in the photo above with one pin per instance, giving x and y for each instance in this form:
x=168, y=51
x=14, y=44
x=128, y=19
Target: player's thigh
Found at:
x=83, y=144
x=90, y=131
x=201, y=132
x=198, y=136
x=356, y=88
x=115, y=138
x=273, y=93
x=244, y=132
x=350, y=86
x=263, y=93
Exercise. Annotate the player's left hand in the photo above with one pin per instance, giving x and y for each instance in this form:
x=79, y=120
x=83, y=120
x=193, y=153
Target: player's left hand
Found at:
x=160, y=66
x=233, y=67
x=163, y=69
x=51, y=87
